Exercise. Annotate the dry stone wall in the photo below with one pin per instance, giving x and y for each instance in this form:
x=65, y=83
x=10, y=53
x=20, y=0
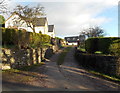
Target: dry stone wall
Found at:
x=102, y=63
x=17, y=58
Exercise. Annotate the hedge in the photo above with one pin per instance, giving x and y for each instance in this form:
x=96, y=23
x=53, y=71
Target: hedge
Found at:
x=91, y=45
x=104, y=44
x=23, y=39
x=99, y=44
x=40, y=40
x=115, y=48
x=8, y=36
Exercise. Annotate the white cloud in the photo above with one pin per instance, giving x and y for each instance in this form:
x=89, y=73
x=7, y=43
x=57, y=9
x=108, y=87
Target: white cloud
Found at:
x=108, y=2
x=69, y=18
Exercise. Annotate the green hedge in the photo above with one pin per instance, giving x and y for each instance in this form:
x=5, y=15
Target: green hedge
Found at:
x=8, y=36
x=115, y=47
x=91, y=45
x=39, y=40
x=99, y=44
x=23, y=39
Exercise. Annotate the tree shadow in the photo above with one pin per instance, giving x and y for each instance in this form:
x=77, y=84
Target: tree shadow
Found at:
x=99, y=83
x=11, y=86
x=48, y=53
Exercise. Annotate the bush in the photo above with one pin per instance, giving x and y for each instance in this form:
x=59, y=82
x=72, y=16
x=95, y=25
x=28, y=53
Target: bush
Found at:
x=99, y=44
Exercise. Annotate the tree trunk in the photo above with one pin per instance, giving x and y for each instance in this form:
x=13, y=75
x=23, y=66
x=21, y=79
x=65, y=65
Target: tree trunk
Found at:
x=33, y=30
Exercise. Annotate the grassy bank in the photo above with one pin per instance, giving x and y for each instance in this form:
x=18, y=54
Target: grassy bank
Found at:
x=104, y=76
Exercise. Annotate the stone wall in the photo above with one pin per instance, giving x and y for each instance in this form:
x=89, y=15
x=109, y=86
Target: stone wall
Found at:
x=101, y=63
x=17, y=58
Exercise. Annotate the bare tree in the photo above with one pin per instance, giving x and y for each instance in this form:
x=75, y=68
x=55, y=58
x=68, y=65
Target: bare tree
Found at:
x=30, y=15
x=3, y=6
x=93, y=32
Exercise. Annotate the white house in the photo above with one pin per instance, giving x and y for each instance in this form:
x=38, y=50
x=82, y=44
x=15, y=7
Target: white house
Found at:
x=74, y=40
x=41, y=25
x=71, y=40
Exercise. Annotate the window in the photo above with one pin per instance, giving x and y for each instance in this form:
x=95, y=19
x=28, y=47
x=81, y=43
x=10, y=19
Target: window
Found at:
x=74, y=38
x=68, y=39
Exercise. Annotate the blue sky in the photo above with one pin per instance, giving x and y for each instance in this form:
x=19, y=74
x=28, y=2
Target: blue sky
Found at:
x=111, y=27
x=70, y=17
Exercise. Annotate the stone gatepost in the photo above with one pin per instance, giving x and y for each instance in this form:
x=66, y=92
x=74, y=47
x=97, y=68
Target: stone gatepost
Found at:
x=39, y=55
x=36, y=56
x=6, y=58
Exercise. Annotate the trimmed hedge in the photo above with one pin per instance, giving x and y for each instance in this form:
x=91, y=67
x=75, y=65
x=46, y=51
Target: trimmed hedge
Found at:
x=91, y=45
x=39, y=40
x=115, y=48
x=23, y=39
x=99, y=44
x=8, y=36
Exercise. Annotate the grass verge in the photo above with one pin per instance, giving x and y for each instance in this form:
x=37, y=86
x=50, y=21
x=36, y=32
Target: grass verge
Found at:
x=104, y=76
x=82, y=49
x=63, y=55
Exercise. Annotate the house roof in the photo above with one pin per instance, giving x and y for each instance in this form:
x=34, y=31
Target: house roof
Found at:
x=50, y=28
x=39, y=21
x=11, y=16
